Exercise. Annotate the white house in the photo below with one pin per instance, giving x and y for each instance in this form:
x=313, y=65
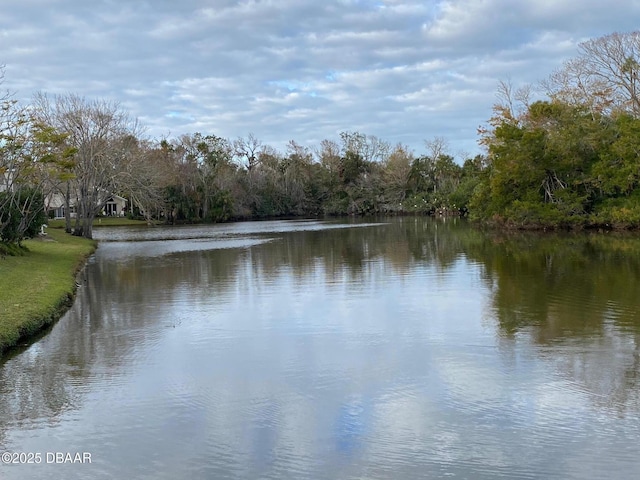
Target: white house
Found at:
x=55, y=203
x=115, y=206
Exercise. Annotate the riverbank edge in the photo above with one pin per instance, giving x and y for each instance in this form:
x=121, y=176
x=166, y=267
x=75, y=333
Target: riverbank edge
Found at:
x=575, y=224
x=21, y=331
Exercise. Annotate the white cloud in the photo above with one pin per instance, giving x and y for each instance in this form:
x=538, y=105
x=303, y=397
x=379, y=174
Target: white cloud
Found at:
x=404, y=70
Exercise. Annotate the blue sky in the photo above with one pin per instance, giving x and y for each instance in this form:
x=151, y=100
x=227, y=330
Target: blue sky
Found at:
x=402, y=70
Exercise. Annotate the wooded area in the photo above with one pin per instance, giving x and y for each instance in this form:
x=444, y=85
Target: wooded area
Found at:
x=568, y=159
x=571, y=160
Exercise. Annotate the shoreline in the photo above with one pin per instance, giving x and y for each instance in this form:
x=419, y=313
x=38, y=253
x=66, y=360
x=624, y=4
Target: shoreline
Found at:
x=39, y=287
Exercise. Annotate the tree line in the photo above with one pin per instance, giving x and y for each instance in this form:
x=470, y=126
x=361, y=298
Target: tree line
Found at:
x=85, y=151
x=569, y=159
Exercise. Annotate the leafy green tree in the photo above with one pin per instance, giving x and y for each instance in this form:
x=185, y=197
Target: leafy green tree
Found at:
x=471, y=175
x=447, y=175
x=617, y=170
x=210, y=156
x=535, y=162
x=182, y=202
x=57, y=159
x=422, y=175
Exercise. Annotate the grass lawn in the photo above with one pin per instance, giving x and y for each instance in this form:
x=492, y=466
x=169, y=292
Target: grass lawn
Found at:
x=100, y=222
x=36, y=288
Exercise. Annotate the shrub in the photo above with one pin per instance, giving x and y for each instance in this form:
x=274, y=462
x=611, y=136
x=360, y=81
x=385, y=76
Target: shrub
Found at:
x=21, y=214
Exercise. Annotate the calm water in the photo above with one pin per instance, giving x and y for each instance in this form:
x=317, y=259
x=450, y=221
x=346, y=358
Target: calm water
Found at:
x=407, y=348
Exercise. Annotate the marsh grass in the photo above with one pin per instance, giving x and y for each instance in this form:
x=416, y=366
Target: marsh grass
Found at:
x=37, y=286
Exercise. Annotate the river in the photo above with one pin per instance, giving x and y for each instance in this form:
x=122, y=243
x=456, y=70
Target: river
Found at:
x=384, y=349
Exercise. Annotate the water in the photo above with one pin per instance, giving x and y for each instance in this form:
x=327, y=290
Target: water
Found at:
x=404, y=348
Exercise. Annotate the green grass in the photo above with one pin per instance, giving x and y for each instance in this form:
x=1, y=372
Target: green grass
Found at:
x=100, y=222
x=38, y=286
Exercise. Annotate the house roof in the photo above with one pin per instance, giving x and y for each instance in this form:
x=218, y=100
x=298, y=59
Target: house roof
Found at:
x=116, y=197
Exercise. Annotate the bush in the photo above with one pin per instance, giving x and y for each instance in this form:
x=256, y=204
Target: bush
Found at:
x=619, y=212
x=526, y=213
x=21, y=214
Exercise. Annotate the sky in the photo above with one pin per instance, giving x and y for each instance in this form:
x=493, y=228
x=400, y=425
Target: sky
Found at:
x=405, y=71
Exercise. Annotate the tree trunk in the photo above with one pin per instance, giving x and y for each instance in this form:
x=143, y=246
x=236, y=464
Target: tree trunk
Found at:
x=87, y=227
x=67, y=209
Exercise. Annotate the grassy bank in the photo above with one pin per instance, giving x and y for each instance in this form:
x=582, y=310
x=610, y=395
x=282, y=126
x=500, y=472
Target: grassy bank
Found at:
x=37, y=287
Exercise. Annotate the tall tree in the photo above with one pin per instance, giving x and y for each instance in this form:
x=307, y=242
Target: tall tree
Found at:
x=296, y=172
x=208, y=157
x=145, y=174
x=102, y=134
x=396, y=174
x=247, y=150
x=57, y=160
x=603, y=76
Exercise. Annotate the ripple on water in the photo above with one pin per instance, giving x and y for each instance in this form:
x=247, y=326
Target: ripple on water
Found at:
x=332, y=355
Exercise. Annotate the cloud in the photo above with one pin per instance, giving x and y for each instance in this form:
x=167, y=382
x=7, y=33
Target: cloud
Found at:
x=402, y=70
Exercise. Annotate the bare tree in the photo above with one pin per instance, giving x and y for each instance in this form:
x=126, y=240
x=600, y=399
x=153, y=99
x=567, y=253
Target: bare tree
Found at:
x=145, y=173
x=604, y=76
x=369, y=147
x=510, y=108
x=103, y=136
x=572, y=84
x=247, y=150
x=328, y=155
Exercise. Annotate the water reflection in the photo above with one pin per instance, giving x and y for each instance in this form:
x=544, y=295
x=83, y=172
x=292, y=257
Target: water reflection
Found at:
x=577, y=297
x=402, y=348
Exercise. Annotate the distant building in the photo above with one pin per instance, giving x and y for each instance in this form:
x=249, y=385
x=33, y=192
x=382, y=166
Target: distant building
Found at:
x=115, y=206
x=55, y=206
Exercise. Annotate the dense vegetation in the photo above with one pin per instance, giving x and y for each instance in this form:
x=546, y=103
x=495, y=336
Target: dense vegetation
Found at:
x=572, y=159
x=569, y=159
x=563, y=166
